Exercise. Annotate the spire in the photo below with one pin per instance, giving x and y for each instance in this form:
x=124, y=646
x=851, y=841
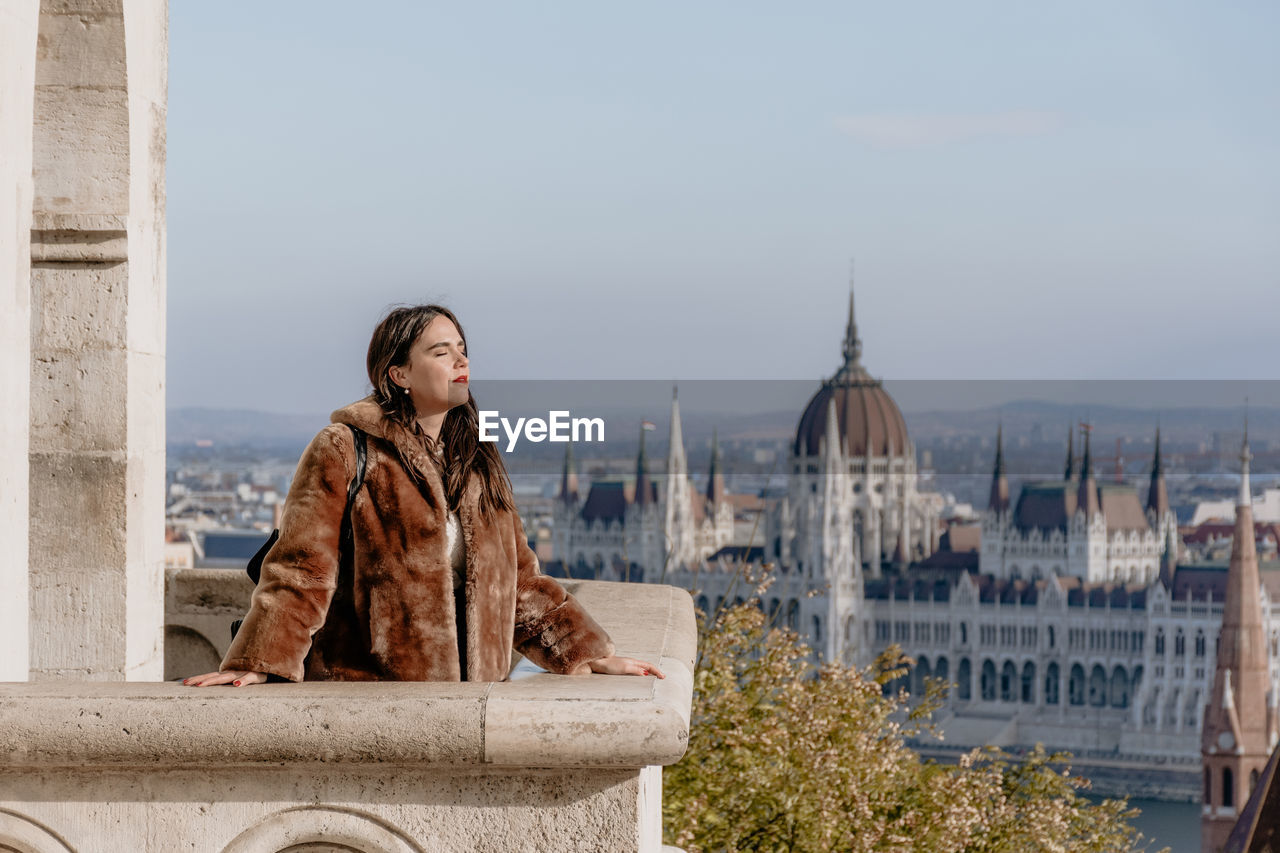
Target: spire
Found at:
x=676, y=464
x=1242, y=676
x=644, y=491
x=568, y=478
x=1246, y=493
x=1071, y=459
x=999, y=500
x=852, y=345
x=715, y=480
x=1087, y=495
x=1158, y=493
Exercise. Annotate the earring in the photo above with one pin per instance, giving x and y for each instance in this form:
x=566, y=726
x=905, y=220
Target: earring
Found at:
x=406, y=390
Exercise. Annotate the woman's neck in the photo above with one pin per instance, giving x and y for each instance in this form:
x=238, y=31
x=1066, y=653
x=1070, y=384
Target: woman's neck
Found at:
x=430, y=425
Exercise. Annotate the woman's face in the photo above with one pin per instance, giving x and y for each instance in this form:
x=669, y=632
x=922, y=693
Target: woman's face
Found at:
x=437, y=372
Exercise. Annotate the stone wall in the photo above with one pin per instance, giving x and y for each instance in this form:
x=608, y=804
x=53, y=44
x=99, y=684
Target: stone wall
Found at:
x=18, y=25
x=96, y=351
x=540, y=763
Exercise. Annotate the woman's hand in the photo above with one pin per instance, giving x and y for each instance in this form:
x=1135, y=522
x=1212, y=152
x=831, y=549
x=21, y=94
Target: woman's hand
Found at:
x=236, y=677
x=614, y=665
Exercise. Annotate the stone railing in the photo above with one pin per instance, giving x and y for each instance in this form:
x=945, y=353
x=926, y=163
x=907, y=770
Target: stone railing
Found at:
x=541, y=762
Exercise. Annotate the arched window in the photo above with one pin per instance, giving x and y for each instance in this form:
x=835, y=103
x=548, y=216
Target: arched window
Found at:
x=1098, y=686
x=988, y=681
x=817, y=628
x=1075, y=686
x=1119, y=688
x=1199, y=643
x=1160, y=641
x=1029, y=682
x=1008, y=682
x=919, y=673
x=964, y=681
x=941, y=669
x=1228, y=795
x=793, y=615
x=964, y=633
x=1179, y=645
x=1052, y=638
x=1051, y=684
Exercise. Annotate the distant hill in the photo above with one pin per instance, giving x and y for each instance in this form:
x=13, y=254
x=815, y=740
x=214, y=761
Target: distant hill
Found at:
x=241, y=428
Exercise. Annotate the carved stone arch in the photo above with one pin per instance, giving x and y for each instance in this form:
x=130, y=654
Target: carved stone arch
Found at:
x=24, y=835
x=307, y=828
x=187, y=651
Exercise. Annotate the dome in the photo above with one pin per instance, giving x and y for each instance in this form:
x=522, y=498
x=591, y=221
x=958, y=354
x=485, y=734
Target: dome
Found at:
x=868, y=418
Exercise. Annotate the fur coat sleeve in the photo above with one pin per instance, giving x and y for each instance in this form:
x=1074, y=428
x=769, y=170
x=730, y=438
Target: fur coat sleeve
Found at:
x=300, y=573
x=387, y=612
x=552, y=628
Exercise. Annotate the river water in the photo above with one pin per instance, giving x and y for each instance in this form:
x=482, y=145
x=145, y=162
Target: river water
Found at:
x=1172, y=825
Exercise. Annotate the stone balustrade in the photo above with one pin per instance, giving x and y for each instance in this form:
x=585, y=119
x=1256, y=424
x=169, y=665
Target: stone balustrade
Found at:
x=540, y=762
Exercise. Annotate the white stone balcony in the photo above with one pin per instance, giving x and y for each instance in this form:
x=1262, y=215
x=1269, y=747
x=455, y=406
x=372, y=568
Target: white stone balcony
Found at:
x=541, y=762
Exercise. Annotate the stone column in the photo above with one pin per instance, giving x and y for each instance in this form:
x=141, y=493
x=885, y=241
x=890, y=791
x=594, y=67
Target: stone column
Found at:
x=97, y=341
x=18, y=25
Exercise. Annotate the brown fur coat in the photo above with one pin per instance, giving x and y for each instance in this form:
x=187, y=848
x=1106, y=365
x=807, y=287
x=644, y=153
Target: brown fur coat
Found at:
x=390, y=616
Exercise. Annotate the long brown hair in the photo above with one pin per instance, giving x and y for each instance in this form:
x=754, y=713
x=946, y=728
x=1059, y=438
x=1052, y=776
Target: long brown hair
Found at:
x=460, y=433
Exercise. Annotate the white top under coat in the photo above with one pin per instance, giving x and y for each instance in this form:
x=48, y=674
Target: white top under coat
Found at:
x=455, y=548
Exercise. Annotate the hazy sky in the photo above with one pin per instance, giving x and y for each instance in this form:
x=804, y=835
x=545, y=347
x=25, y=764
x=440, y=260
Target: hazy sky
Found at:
x=663, y=190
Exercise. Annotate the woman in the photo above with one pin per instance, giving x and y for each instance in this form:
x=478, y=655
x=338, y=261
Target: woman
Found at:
x=442, y=584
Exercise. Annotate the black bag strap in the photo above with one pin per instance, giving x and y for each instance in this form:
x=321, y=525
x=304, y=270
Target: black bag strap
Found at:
x=254, y=568
x=344, y=538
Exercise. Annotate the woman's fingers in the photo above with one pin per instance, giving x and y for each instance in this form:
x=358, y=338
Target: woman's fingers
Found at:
x=625, y=666
x=236, y=678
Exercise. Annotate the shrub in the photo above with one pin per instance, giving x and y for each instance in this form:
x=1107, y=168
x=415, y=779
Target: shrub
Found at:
x=786, y=755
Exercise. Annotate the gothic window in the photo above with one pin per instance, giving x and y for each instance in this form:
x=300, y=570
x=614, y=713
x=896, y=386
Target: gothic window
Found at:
x=1098, y=687
x=1199, y=643
x=1119, y=688
x=1179, y=644
x=1159, y=641
x=1051, y=685
x=1008, y=682
x=1075, y=686
x=817, y=628
x=1051, y=637
x=941, y=669
x=1029, y=682
x=1228, y=795
x=964, y=633
x=964, y=681
x=793, y=615
x=988, y=681
x=919, y=673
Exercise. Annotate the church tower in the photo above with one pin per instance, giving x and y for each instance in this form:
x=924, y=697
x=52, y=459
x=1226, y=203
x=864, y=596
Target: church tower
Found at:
x=1238, y=733
x=995, y=521
x=1161, y=517
x=678, y=529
